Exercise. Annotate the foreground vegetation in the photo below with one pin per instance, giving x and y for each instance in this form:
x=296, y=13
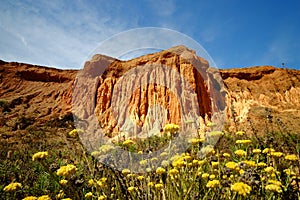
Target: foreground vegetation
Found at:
x=240, y=166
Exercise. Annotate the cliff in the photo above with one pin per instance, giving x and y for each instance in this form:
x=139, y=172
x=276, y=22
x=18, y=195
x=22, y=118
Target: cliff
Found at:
x=111, y=91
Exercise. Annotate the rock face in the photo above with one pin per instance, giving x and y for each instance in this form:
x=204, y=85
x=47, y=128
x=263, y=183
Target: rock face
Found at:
x=141, y=95
x=172, y=86
x=266, y=97
x=35, y=92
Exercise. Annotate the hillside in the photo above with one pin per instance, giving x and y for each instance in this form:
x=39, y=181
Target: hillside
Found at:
x=265, y=96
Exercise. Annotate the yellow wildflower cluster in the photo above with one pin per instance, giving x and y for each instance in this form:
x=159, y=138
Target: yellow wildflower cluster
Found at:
x=291, y=157
x=274, y=186
x=131, y=189
x=88, y=195
x=213, y=184
x=30, y=198
x=195, y=141
x=44, y=197
x=269, y=169
x=171, y=128
x=256, y=151
x=75, y=132
x=240, y=153
x=250, y=163
x=159, y=186
x=241, y=188
x=128, y=142
x=106, y=148
x=40, y=155
x=268, y=150
x=12, y=187
x=66, y=170
x=63, y=182
x=160, y=170
x=243, y=142
x=276, y=154
x=231, y=165
x=125, y=172
x=215, y=134
x=240, y=133
x=226, y=155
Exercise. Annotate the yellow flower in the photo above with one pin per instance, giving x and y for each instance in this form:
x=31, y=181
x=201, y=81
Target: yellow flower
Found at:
x=159, y=186
x=212, y=176
x=268, y=150
x=130, y=176
x=165, y=163
x=66, y=170
x=207, y=150
x=63, y=182
x=249, y=163
x=128, y=142
x=91, y=182
x=67, y=199
x=173, y=171
x=241, y=133
x=205, y=175
x=125, y=172
x=75, y=132
x=213, y=183
x=30, y=198
x=150, y=184
x=231, y=165
x=102, y=197
x=194, y=141
x=178, y=163
x=88, y=195
x=100, y=184
x=171, y=128
x=106, y=148
x=240, y=152
x=163, y=154
x=275, y=182
x=160, y=170
x=241, y=171
x=291, y=157
x=226, y=155
x=143, y=162
x=261, y=164
x=140, y=152
x=256, y=151
x=214, y=164
x=40, y=155
x=243, y=141
x=215, y=133
x=269, y=169
x=241, y=188
x=148, y=169
x=44, y=197
x=60, y=195
x=104, y=179
x=276, y=154
x=289, y=172
x=95, y=153
x=140, y=178
x=188, y=158
x=273, y=188
x=201, y=162
x=12, y=187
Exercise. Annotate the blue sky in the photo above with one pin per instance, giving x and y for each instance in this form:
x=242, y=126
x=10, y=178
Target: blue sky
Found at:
x=235, y=33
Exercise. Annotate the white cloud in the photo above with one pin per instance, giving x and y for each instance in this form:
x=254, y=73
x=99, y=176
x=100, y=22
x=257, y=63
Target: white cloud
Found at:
x=54, y=33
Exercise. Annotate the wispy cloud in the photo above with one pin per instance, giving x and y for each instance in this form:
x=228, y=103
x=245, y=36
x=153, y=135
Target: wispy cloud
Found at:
x=54, y=33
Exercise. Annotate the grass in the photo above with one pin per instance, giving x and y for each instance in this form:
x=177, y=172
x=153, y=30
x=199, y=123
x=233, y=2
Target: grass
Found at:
x=239, y=166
